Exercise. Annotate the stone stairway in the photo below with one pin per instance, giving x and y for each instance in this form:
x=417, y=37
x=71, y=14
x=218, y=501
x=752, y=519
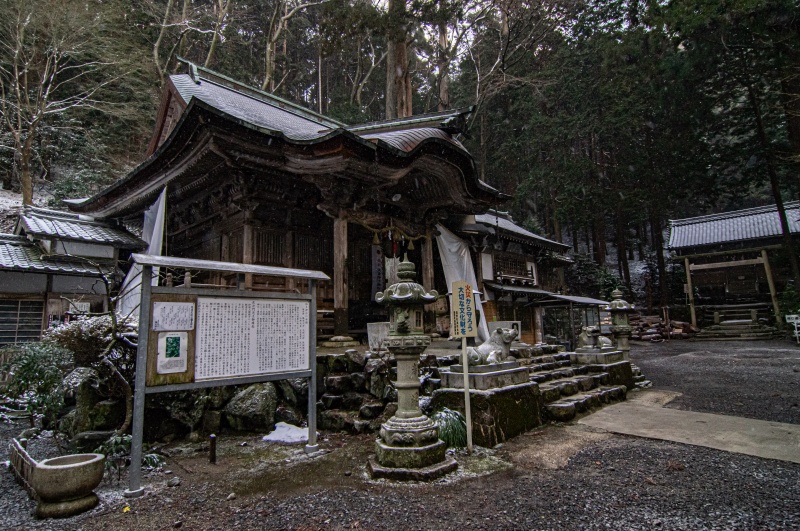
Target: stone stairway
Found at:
x=739, y=329
x=569, y=388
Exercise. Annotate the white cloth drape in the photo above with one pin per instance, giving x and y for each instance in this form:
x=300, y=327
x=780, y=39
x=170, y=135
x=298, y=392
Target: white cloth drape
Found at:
x=130, y=293
x=457, y=265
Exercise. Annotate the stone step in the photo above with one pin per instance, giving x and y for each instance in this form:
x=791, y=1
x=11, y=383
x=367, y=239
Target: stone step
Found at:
x=565, y=372
x=567, y=408
x=556, y=389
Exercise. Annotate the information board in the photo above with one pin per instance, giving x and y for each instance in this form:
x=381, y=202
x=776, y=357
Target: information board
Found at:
x=462, y=305
x=245, y=337
x=173, y=316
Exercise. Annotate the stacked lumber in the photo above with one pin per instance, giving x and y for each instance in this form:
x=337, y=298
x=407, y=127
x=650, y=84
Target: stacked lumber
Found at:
x=653, y=328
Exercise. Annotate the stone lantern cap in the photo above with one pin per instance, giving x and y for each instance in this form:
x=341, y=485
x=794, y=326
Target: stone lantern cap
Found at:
x=618, y=304
x=406, y=292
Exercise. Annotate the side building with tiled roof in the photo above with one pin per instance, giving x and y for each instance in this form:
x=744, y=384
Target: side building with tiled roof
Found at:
x=52, y=268
x=519, y=273
x=735, y=262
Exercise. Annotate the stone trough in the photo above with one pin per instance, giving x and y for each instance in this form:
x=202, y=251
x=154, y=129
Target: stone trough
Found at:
x=62, y=486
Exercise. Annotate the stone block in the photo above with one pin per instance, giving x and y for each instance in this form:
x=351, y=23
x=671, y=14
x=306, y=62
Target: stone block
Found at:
x=212, y=421
x=352, y=401
x=253, y=408
x=409, y=456
x=359, y=380
x=338, y=384
x=331, y=401
x=619, y=373
x=497, y=414
x=371, y=410
x=560, y=411
x=486, y=379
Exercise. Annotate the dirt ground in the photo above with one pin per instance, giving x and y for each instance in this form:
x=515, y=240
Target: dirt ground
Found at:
x=557, y=477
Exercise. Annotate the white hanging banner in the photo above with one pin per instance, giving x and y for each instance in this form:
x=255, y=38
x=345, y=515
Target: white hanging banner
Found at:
x=457, y=265
x=130, y=293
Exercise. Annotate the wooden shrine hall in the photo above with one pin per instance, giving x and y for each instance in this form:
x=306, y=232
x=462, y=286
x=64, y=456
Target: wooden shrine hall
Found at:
x=735, y=260
x=254, y=179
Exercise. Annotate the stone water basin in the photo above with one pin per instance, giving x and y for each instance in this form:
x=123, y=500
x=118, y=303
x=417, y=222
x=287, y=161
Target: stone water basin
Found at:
x=65, y=484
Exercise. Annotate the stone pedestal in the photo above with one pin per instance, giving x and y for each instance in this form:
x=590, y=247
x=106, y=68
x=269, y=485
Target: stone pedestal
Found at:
x=483, y=377
x=497, y=414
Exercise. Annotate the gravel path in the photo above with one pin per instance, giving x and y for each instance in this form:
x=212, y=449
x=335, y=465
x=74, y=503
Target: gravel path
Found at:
x=603, y=481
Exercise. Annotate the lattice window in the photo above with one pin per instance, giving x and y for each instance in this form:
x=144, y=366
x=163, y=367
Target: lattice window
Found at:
x=511, y=265
x=20, y=321
x=269, y=247
x=314, y=252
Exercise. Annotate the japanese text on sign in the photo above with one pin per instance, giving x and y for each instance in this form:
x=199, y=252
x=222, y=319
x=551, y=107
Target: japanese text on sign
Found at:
x=245, y=337
x=462, y=304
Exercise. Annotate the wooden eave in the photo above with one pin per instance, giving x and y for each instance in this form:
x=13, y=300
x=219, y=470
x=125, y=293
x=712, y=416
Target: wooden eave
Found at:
x=205, y=138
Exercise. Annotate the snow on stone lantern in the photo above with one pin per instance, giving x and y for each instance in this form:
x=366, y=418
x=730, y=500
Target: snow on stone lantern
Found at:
x=408, y=446
x=620, y=327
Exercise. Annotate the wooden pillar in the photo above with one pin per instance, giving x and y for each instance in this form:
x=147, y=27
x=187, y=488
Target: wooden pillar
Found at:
x=690, y=290
x=248, y=252
x=429, y=316
x=340, y=292
x=538, y=328
x=287, y=260
x=772, y=292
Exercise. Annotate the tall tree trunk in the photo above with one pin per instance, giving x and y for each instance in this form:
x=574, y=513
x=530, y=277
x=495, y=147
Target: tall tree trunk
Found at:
x=574, y=229
x=443, y=64
x=658, y=247
x=622, y=251
x=774, y=184
x=398, y=77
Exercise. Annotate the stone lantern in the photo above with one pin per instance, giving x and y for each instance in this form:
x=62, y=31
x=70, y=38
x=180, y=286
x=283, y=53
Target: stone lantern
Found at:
x=408, y=446
x=619, y=309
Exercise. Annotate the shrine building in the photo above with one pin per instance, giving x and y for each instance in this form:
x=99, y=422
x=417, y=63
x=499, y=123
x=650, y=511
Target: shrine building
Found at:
x=254, y=179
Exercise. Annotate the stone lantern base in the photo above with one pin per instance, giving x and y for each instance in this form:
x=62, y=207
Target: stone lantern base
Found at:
x=427, y=473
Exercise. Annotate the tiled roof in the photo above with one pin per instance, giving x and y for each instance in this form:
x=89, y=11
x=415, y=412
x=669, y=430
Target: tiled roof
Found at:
x=738, y=226
x=19, y=254
x=254, y=107
x=503, y=221
x=66, y=226
x=409, y=139
x=296, y=123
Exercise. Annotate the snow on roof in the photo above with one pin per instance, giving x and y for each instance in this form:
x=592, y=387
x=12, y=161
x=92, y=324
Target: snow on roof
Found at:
x=19, y=254
x=67, y=226
x=727, y=227
x=503, y=220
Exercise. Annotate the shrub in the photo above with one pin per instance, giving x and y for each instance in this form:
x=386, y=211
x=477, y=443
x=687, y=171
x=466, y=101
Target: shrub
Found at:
x=36, y=371
x=452, y=427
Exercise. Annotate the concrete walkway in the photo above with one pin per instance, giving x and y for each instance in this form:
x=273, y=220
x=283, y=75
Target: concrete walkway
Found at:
x=771, y=440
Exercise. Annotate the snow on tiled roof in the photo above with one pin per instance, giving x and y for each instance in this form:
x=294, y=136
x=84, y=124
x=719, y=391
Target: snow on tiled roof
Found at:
x=503, y=221
x=64, y=225
x=254, y=107
x=740, y=225
x=19, y=254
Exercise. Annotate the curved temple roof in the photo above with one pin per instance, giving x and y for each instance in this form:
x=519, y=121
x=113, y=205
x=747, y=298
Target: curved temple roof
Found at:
x=303, y=140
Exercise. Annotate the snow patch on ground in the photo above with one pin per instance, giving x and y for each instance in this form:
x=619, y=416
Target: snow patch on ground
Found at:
x=286, y=433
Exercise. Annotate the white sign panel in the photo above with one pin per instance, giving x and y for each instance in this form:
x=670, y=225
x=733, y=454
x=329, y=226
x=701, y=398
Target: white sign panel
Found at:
x=462, y=305
x=80, y=307
x=792, y=318
x=238, y=337
x=172, y=356
x=173, y=316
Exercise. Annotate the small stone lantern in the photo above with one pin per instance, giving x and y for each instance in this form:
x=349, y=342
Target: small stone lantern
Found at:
x=619, y=309
x=408, y=446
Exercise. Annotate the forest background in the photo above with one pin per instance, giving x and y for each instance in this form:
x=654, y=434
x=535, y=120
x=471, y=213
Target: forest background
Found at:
x=603, y=119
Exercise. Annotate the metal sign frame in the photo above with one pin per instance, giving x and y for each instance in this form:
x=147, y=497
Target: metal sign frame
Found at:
x=148, y=262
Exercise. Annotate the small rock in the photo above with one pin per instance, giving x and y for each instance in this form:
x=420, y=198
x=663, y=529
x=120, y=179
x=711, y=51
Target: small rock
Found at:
x=177, y=524
x=348, y=473
x=231, y=496
x=168, y=472
x=174, y=482
x=243, y=444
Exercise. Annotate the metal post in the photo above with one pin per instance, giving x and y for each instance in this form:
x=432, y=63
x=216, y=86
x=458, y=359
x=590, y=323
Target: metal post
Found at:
x=212, y=449
x=467, y=405
x=135, y=472
x=772, y=293
x=312, y=445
